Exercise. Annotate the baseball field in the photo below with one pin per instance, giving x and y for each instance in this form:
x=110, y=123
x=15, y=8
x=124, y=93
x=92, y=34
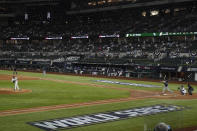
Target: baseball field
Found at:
x=59, y=102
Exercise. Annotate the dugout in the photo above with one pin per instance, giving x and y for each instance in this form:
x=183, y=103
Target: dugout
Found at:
x=178, y=73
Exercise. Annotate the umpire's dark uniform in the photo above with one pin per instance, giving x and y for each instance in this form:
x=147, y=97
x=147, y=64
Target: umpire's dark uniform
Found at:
x=190, y=89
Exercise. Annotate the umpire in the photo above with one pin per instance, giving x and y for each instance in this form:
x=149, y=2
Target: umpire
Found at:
x=190, y=89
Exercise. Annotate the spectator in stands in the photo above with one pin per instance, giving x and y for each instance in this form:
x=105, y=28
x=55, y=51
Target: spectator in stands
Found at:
x=162, y=127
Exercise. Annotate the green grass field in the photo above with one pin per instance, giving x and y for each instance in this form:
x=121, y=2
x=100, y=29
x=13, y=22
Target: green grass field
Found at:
x=46, y=93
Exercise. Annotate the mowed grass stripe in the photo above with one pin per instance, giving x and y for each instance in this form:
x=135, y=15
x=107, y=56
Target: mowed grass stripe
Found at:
x=46, y=93
x=134, y=124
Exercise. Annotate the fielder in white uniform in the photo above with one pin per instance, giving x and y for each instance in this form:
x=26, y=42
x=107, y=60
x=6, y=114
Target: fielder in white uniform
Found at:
x=15, y=81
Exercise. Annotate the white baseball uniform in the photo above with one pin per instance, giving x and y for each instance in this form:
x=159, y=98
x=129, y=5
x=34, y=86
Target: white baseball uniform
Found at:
x=15, y=80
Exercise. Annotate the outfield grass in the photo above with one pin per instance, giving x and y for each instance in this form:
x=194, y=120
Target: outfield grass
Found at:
x=54, y=93
x=19, y=122
x=45, y=93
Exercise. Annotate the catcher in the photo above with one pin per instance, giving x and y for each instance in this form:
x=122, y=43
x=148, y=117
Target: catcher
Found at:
x=182, y=90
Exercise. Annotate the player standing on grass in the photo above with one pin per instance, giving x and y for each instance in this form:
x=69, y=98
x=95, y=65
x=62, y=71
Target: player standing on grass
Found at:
x=14, y=71
x=44, y=71
x=15, y=81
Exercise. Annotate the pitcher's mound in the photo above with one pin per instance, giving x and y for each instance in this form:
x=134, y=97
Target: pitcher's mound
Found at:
x=12, y=91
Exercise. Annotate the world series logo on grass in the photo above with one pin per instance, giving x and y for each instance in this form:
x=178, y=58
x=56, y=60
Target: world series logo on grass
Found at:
x=130, y=84
x=77, y=121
